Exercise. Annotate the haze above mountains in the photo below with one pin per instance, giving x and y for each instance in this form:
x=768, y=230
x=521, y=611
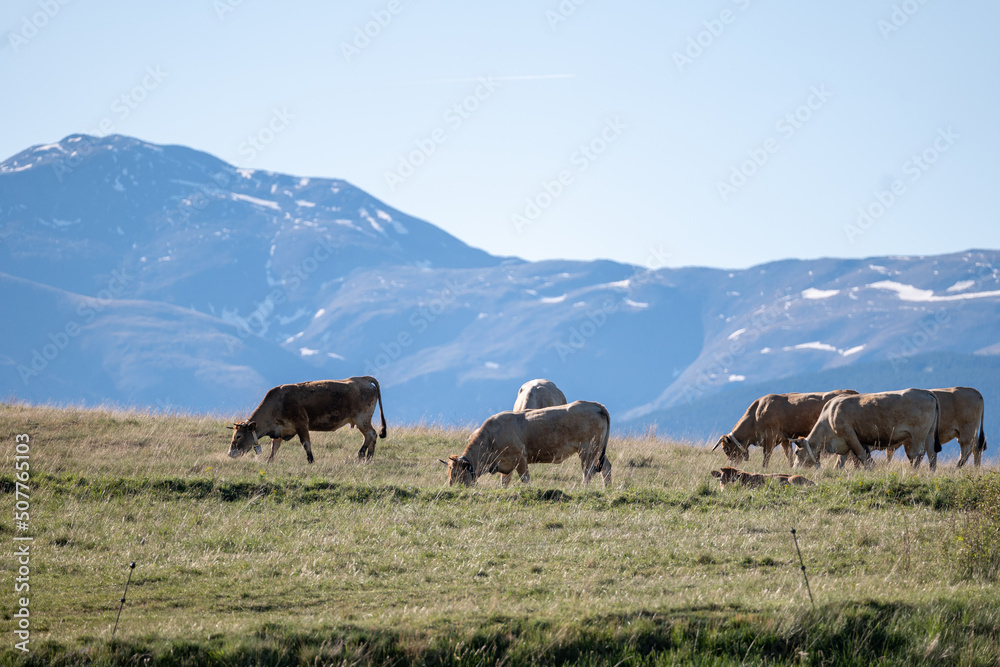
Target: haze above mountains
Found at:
x=147, y=275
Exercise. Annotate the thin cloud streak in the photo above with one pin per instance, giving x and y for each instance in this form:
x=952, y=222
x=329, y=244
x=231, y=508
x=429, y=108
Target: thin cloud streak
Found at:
x=525, y=77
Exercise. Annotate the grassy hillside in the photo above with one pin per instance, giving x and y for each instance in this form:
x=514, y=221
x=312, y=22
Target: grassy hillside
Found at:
x=242, y=562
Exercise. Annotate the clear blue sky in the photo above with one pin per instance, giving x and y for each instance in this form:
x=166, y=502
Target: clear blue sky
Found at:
x=670, y=97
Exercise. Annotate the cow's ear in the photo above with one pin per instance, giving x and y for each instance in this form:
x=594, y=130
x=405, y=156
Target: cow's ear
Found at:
x=252, y=425
x=716, y=473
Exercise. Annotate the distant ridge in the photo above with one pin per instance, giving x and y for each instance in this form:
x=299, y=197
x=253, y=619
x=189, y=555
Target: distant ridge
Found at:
x=218, y=281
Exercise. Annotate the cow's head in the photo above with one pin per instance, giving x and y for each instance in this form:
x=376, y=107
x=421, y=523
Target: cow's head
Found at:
x=724, y=476
x=244, y=438
x=734, y=451
x=460, y=471
x=805, y=454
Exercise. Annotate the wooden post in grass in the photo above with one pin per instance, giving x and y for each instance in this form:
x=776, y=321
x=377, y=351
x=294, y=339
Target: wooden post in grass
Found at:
x=130, y=568
x=803, y=566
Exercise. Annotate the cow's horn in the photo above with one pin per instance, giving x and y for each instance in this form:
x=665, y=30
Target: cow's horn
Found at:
x=444, y=463
x=717, y=444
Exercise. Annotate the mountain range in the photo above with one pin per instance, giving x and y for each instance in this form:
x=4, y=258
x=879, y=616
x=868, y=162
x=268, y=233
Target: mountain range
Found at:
x=147, y=275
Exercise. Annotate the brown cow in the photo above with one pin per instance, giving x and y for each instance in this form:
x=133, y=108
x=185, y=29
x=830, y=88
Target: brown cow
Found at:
x=535, y=394
x=325, y=405
x=509, y=441
x=857, y=423
x=961, y=417
x=774, y=420
x=731, y=475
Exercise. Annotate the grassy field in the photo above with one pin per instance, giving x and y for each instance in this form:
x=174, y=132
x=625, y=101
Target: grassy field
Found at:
x=243, y=562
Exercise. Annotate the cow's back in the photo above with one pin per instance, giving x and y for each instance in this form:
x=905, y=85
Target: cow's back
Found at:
x=537, y=394
x=794, y=414
x=552, y=434
x=327, y=404
x=884, y=417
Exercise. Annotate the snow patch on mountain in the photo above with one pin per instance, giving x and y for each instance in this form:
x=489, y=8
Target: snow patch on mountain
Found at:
x=911, y=293
x=961, y=286
x=267, y=203
x=813, y=293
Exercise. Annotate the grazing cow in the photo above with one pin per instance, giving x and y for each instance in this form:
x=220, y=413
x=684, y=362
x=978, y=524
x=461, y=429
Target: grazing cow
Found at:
x=961, y=417
x=774, y=420
x=325, y=405
x=509, y=441
x=535, y=394
x=858, y=423
x=730, y=475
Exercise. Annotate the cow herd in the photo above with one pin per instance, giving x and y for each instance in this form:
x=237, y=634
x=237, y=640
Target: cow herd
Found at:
x=847, y=423
x=543, y=428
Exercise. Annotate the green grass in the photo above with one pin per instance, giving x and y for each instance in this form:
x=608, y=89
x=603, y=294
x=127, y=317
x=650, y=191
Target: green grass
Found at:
x=243, y=562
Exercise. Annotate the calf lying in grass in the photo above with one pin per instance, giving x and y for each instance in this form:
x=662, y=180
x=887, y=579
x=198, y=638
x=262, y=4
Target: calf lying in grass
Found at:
x=730, y=475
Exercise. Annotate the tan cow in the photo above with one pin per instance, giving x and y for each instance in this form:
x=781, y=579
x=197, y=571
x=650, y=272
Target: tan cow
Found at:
x=509, y=441
x=535, y=394
x=961, y=417
x=731, y=475
x=774, y=420
x=962, y=412
x=325, y=405
x=858, y=423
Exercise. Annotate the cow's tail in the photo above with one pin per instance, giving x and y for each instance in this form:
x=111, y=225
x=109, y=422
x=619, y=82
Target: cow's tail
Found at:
x=981, y=443
x=607, y=434
x=378, y=397
x=937, y=425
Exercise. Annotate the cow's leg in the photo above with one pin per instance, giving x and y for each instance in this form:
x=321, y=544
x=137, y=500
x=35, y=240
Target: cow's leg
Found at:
x=964, y=457
x=786, y=446
x=850, y=439
x=768, y=448
x=304, y=439
x=931, y=454
x=504, y=479
x=606, y=471
x=367, y=450
x=967, y=445
x=842, y=461
x=275, y=443
x=522, y=470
